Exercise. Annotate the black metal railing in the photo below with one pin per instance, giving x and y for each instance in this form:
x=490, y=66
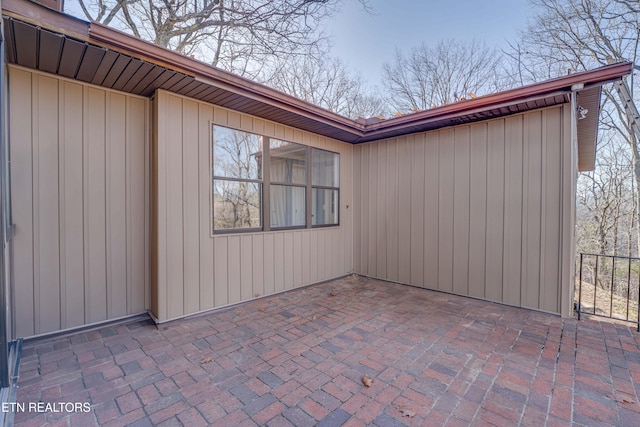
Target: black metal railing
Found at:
x=609, y=286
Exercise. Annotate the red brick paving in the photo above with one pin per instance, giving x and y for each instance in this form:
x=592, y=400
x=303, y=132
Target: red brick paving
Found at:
x=297, y=359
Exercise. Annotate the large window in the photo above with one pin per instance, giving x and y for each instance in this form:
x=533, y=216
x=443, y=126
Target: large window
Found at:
x=288, y=172
x=325, y=184
x=262, y=183
x=237, y=180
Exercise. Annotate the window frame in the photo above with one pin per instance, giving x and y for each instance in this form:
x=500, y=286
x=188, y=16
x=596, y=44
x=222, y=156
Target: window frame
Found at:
x=265, y=186
x=214, y=178
x=323, y=187
x=284, y=184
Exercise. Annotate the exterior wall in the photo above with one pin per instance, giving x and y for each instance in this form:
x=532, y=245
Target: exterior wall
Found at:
x=482, y=210
x=194, y=272
x=79, y=181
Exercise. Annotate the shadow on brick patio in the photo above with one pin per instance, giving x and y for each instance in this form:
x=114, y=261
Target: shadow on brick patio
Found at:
x=297, y=359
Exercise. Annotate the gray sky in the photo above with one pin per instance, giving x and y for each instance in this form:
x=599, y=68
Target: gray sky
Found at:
x=365, y=41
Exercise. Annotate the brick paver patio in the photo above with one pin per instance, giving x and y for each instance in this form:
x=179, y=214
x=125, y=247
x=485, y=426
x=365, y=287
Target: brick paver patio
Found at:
x=298, y=358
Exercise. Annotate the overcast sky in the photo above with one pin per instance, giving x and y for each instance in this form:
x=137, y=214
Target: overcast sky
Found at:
x=365, y=41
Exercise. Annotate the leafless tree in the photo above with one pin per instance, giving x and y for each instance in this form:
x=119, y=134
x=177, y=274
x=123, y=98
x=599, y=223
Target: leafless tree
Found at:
x=575, y=35
x=606, y=203
x=326, y=82
x=430, y=76
x=237, y=35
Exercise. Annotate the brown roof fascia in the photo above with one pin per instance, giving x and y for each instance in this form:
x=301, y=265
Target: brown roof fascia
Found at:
x=599, y=76
x=37, y=14
x=216, y=77
x=439, y=116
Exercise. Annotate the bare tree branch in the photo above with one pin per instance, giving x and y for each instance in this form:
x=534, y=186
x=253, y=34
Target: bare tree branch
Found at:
x=447, y=72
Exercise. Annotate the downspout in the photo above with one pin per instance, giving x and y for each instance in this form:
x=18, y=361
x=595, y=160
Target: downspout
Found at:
x=569, y=240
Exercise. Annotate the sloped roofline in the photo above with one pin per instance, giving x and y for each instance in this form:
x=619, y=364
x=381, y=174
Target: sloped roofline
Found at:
x=537, y=95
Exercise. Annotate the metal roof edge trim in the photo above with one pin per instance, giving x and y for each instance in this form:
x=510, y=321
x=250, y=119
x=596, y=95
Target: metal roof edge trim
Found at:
x=598, y=76
x=372, y=135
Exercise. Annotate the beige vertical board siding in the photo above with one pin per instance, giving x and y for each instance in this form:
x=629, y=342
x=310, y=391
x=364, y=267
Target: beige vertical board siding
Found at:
x=234, y=269
x=269, y=263
x=158, y=262
x=489, y=208
x=322, y=255
x=513, y=210
x=314, y=276
x=392, y=218
x=551, y=205
x=159, y=228
x=333, y=256
x=340, y=257
x=279, y=260
x=427, y=219
x=95, y=205
x=461, y=211
x=289, y=260
x=206, y=244
x=116, y=202
x=199, y=271
x=532, y=210
x=446, y=177
x=305, y=258
x=20, y=123
x=154, y=218
x=258, y=264
x=417, y=224
x=175, y=202
x=137, y=141
x=297, y=259
x=477, y=209
x=363, y=189
x=306, y=261
x=221, y=277
x=404, y=211
x=71, y=241
x=374, y=212
x=190, y=207
x=76, y=240
x=347, y=214
x=382, y=209
x=494, y=247
x=46, y=222
x=356, y=207
x=246, y=267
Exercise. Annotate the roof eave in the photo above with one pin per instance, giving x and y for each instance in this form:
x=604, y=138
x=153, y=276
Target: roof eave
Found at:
x=563, y=84
x=316, y=119
x=219, y=78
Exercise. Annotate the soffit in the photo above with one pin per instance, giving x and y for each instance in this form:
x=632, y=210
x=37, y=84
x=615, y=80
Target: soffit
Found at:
x=587, y=127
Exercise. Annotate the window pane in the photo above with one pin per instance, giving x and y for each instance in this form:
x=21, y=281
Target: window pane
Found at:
x=325, y=168
x=236, y=204
x=324, y=206
x=287, y=206
x=288, y=162
x=236, y=154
